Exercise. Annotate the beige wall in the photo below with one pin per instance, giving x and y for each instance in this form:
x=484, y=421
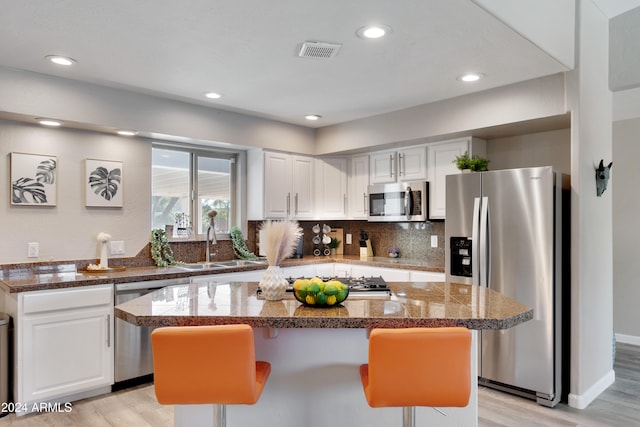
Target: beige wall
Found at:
x=68, y=231
x=624, y=185
x=551, y=148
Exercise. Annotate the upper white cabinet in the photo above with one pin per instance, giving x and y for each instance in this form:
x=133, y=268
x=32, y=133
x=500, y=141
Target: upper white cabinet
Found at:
x=442, y=156
x=331, y=187
x=357, y=198
x=407, y=164
x=280, y=185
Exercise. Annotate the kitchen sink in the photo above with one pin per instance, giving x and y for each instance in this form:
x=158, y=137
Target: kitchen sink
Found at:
x=220, y=264
x=239, y=263
x=202, y=266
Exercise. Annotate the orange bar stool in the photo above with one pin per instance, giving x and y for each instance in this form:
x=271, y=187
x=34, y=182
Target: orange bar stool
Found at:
x=207, y=365
x=417, y=367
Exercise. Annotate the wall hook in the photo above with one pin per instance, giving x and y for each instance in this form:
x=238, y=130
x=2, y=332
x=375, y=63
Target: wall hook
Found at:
x=602, y=177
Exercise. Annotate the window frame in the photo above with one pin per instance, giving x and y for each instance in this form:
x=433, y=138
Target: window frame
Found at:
x=194, y=152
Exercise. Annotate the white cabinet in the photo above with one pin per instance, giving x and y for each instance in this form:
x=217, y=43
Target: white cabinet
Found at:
x=357, y=198
x=64, y=342
x=280, y=185
x=331, y=188
x=442, y=156
x=426, y=276
x=407, y=164
x=240, y=276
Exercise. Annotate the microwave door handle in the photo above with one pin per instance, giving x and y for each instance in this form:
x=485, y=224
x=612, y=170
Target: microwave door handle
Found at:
x=475, y=239
x=408, y=203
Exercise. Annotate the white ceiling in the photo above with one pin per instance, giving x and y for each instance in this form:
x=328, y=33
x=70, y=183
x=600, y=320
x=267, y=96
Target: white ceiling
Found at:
x=246, y=50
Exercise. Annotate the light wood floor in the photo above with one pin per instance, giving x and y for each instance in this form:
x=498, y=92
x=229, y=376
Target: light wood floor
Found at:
x=618, y=406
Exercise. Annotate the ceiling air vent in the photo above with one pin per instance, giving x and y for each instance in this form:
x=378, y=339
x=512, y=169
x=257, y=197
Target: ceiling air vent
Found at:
x=320, y=50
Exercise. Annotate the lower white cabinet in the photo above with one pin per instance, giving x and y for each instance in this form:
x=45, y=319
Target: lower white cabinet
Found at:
x=64, y=343
x=426, y=276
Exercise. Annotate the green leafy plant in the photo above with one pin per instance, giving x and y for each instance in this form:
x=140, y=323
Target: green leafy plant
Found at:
x=105, y=183
x=479, y=164
x=239, y=244
x=475, y=163
x=161, y=252
x=334, y=243
x=463, y=161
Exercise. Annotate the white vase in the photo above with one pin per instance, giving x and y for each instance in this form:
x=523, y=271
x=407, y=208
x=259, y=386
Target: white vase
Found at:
x=273, y=283
x=104, y=260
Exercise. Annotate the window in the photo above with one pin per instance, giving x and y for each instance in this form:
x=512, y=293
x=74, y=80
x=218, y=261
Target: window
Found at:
x=187, y=184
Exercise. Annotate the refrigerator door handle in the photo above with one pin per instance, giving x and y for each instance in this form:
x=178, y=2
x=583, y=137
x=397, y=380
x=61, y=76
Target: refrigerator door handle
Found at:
x=475, y=239
x=485, y=264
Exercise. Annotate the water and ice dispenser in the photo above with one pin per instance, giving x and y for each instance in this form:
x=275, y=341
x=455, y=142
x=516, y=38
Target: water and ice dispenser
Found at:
x=461, y=256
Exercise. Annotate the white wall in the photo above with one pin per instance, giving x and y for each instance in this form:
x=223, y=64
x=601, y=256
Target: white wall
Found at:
x=590, y=101
x=68, y=231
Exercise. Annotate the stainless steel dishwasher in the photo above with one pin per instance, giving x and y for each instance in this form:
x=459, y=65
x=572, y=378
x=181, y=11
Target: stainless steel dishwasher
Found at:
x=133, y=357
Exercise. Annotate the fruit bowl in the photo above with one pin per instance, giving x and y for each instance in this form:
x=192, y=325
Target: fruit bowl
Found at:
x=317, y=293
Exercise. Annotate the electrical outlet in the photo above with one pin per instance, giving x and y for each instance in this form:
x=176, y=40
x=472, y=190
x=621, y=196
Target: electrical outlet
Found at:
x=347, y=239
x=33, y=249
x=434, y=241
x=117, y=247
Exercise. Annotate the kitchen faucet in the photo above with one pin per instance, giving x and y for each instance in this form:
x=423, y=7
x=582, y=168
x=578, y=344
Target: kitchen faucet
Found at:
x=211, y=231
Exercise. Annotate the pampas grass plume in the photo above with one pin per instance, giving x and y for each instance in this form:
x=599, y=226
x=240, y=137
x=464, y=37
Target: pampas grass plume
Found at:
x=279, y=239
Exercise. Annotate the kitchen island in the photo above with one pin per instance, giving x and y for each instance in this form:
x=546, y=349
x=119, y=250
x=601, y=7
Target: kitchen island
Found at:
x=315, y=352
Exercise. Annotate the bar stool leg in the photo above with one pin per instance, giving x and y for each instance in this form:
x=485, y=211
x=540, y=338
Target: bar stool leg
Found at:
x=408, y=416
x=219, y=415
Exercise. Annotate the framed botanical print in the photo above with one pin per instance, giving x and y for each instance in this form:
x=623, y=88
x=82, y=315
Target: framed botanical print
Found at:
x=103, y=183
x=34, y=179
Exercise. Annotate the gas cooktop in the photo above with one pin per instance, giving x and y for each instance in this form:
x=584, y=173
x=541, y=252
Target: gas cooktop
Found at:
x=365, y=285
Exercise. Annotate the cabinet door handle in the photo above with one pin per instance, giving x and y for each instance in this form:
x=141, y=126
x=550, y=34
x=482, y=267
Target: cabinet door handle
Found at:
x=295, y=199
x=108, y=330
x=288, y=204
x=391, y=165
x=401, y=165
x=364, y=199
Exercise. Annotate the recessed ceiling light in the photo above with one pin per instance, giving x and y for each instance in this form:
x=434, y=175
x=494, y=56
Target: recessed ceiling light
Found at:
x=312, y=117
x=127, y=132
x=212, y=95
x=470, y=77
x=61, y=60
x=373, y=31
x=49, y=122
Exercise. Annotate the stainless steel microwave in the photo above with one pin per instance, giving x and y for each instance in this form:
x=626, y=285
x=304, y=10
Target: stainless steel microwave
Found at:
x=402, y=201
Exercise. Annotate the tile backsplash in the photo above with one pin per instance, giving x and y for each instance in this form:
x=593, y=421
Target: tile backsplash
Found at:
x=413, y=239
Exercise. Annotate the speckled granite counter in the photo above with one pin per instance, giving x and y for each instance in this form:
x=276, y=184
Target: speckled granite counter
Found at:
x=424, y=304
x=23, y=278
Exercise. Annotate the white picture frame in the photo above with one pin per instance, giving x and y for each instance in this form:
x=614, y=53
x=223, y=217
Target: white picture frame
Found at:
x=104, y=183
x=34, y=179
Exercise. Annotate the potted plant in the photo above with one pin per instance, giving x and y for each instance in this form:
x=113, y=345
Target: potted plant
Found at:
x=475, y=163
x=463, y=162
x=333, y=245
x=479, y=164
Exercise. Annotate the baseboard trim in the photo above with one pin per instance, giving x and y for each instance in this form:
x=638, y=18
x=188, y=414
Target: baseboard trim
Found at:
x=628, y=339
x=581, y=401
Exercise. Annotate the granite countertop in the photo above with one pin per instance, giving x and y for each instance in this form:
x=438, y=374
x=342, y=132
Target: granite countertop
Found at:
x=22, y=278
x=411, y=304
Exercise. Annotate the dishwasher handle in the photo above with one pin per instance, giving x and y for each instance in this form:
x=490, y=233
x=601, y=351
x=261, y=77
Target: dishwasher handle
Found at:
x=149, y=286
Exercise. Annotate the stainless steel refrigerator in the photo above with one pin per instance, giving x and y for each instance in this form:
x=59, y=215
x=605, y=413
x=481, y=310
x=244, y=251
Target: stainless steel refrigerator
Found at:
x=508, y=230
